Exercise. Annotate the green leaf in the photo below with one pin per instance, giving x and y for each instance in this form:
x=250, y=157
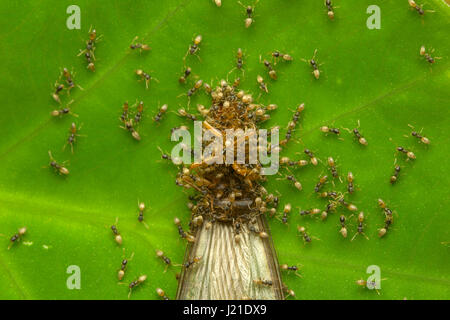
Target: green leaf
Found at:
x=374, y=76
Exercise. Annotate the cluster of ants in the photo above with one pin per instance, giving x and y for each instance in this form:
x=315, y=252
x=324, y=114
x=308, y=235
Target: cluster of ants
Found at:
x=229, y=194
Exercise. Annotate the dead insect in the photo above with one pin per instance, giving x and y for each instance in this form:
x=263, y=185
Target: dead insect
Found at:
x=160, y=291
x=394, y=177
x=160, y=113
x=261, y=83
x=136, y=283
x=121, y=272
x=140, y=46
x=73, y=135
x=182, y=233
x=17, y=237
x=60, y=168
x=286, y=267
x=343, y=230
x=419, y=136
x=360, y=229
x=408, y=153
x=116, y=233
x=314, y=65
x=145, y=76
x=262, y=282
x=186, y=73
x=249, y=11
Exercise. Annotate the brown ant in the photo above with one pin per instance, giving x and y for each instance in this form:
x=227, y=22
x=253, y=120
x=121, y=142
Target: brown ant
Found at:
x=419, y=8
x=140, y=46
x=186, y=73
x=286, y=211
x=350, y=187
x=322, y=181
x=358, y=135
x=286, y=267
x=427, y=55
x=372, y=284
x=394, y=177
x=139, y=112
x=343, y=230
x=272, y=72
x=160, y=113
x=360, y=229
x=194, y=47
x=183, y=113
x=330, y=11
x=326, y=129
x=277, y=54
x=141, y=207
x=136, y=283
x=116, y=233
x=60, y=168
x=314, y=65
x=90, y=48
x=310, y=212
x=190, y=263
x=63, y=111
x=73, y=136
x=313, y=159
x=58, y=88
x=161, y=292
x=182, y=233
x=262, y=282
x=128, y=125
x=249, y=11
x=304, y=234
x=69, y=79
x=332, y=166
x=145, y=76
x=262, y=84
x=296, y=183
x=292, y=124
x=124, y=115
x=166, y=260
x=408, y=153
x=419, y=136
x=121, y=272
x=17, y=237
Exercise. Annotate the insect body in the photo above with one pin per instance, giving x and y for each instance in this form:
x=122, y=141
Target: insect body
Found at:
x=186, y=74
x=182, y=233
x=394, y=177
x=313, y=159
x=116, y=233
x=419, y=136
x=136, y=283
x=121, y=272
x=145, y=76
x=343, y=230
x=290, y=268
x=60, y=168
x=408, y=153
x=63, y=111
x=160, y=113
x=136, y=45
x=330, y=10
x=73, y=135
x=350, y=179
x=360, y=228
x=249, y=10
x=314, y=65
x=162, y=294
x=262, y=282
x=16, y=237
